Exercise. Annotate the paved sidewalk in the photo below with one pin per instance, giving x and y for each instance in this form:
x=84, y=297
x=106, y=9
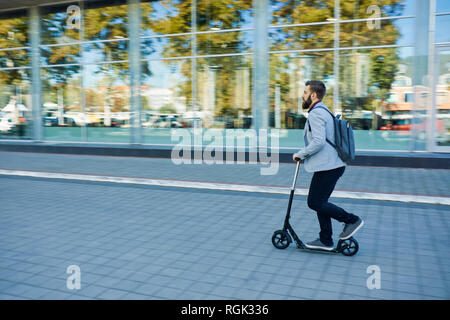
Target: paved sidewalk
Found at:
x=365, y=179
x=140, y=242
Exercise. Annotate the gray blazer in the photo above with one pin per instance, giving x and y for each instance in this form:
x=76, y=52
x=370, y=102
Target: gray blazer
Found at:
x=318, y=154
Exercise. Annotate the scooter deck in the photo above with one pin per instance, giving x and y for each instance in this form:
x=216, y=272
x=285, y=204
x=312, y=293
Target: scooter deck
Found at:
x=303, y=247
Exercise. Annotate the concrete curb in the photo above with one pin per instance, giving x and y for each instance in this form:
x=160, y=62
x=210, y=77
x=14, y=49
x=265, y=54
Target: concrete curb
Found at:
x=408, y=198
x=398, y=159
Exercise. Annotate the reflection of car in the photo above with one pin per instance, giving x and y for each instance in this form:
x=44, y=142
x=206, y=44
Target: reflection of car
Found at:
x=76, y=118
x=50, y=121
x=69, y=122
x=117, y=123
x=406, y=125
x=6, y=124
x=113, y=122
x=163, y=121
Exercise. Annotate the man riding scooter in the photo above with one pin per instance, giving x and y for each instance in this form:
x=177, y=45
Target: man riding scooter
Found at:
x=322, y=159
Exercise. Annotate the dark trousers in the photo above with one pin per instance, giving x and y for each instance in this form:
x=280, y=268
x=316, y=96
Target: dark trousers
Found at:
x=322, y=185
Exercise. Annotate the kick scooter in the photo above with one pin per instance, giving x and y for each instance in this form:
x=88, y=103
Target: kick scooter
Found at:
x=282, y=238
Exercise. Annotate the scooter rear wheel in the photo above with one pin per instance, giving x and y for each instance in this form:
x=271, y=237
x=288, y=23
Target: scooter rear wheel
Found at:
x=280, y=239
x=349, y=247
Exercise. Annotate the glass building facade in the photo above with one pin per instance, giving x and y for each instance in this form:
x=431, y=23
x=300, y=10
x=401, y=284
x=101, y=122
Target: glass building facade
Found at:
x=132, y=71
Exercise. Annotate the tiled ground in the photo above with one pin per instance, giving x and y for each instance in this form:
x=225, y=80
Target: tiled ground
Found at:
x=138, y=242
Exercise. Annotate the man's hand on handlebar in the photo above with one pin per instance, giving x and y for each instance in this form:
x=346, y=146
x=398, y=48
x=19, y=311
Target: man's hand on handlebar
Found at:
x=296, y=157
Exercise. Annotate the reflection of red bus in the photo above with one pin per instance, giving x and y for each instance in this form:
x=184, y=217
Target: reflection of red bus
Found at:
x=405, y=124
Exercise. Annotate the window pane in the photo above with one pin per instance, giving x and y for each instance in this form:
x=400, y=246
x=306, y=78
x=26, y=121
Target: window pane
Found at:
x=105, y=51
x=166, y=99
x=288, y=75
x=306, y=37
x=62, y=114
x=224, y=91
x=383, y=32
x=442, y=27
x=60, y=54
x=224, y=42
x=107, y=95
x=372, y=9
x=15, y=102
x=224, y=14
x=166, y=47
x=442, y=6
x=165, y=17
x=14, y=30
x=443, y=99
x=299, y=11
x=61, y=23
x=375, y=94
x=105, y=22
x=14, y=58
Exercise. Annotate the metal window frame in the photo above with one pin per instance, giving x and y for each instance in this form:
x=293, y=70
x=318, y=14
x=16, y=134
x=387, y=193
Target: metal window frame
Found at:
x=336, y=20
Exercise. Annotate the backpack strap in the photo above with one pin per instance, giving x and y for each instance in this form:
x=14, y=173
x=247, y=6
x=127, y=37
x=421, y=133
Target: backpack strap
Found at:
x=309, y=126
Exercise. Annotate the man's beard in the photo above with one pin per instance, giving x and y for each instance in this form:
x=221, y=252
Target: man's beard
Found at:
x=306, y=104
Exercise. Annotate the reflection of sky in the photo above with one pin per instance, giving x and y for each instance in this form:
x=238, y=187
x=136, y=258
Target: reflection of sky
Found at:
x=163, y=76
x=442, y=6
x=410, y=8
x=405, y=52
x=442, y=28
x=406, y=29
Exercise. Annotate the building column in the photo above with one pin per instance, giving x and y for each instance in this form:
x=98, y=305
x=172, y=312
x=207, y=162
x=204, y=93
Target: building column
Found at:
x=433, y=67
x=194, y=106
x=134, y=54
x=36, y=89
x=260, y=105
x=337, y=16
x=421, y=74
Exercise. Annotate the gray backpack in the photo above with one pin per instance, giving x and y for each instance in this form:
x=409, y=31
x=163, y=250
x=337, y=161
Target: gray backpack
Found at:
x=344, y=142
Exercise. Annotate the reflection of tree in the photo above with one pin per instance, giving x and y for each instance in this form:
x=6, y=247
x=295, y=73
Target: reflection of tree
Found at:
x=99, y=24
x=381, y=63
x=111, y=23
x=168, y=108
x=13, y=33
x=14, y=82
x=224, y=14
x=383, y=69
x=66, y=94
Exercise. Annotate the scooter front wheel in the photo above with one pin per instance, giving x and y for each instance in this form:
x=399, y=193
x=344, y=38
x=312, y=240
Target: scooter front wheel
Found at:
x=349, y=247
x=280, y=239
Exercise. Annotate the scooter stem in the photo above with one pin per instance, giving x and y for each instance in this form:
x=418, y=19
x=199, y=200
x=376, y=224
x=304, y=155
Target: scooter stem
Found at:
x=295, y=177
x=291, y=196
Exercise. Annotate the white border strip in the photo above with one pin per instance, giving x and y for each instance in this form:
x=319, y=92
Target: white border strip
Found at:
x=226, y=186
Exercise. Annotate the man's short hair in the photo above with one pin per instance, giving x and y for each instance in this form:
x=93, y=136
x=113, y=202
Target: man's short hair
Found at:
x=318, y=87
